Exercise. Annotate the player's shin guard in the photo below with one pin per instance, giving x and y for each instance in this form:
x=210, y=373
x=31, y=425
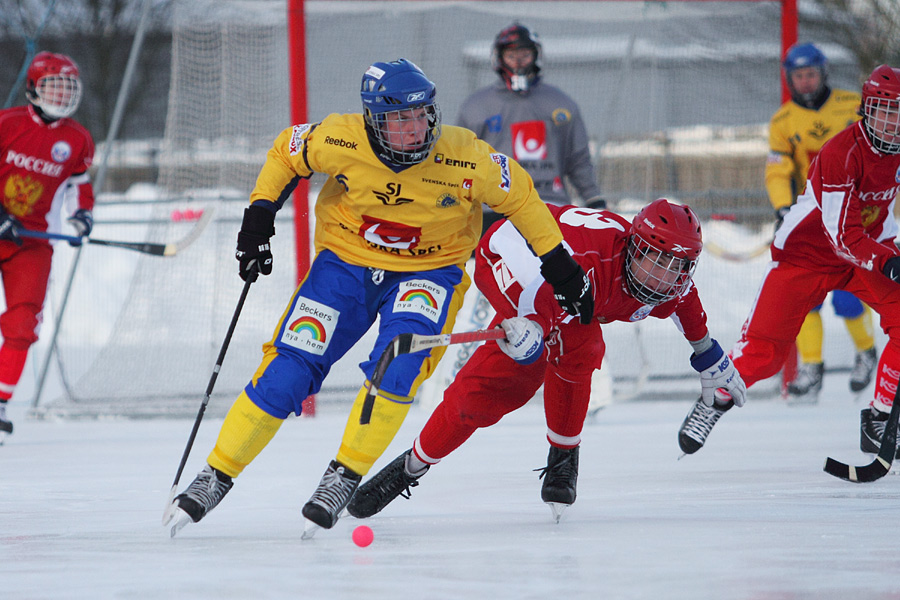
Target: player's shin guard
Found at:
x=363, y=444
x=246, y=431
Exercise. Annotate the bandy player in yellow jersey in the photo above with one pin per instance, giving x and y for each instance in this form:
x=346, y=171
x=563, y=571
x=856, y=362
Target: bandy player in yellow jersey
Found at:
x=797, y=132
x=395, y=222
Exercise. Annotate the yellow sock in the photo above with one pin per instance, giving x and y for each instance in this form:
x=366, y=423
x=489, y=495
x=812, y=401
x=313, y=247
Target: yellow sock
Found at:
x=246, y=431
x=861, y=330
x=809, y=340
x=363, y=444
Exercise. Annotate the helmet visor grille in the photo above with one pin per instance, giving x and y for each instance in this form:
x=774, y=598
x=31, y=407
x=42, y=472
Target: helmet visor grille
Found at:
x=882, y=123
x=655, y=276
x=406, y=136
x=58, y=95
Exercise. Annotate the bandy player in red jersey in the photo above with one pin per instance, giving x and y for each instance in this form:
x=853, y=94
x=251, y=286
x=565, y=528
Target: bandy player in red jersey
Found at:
x=637, y=269
x=839, y=235
x=44, y=159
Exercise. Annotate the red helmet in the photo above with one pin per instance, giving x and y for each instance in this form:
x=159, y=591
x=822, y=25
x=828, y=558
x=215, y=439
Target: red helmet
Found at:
x=881, y=109
x=53, y=85
x=663, y=249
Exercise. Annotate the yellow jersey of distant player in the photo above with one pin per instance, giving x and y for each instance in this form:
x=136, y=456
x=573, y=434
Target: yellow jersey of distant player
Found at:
x=796, y=134
x=423, y=217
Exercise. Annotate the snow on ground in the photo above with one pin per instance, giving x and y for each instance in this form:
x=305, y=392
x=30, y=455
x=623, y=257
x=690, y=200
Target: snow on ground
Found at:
x=752, y=516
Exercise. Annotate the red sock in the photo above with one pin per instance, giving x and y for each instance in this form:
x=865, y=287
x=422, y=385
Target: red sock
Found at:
x=887, y=377
x=12, y=363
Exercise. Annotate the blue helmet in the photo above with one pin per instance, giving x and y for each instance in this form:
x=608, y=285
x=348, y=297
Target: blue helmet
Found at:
x=402, y=118
x=800, y=56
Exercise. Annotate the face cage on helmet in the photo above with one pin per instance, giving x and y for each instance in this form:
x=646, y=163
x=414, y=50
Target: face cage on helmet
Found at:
x=377, y=125
x=882, y=116
x=57, y=95
x=646, y=275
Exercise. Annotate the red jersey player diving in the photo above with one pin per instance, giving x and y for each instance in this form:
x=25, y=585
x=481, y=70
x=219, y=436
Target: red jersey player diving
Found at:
x=44, y=159
x=838, y=236
x=637, y=269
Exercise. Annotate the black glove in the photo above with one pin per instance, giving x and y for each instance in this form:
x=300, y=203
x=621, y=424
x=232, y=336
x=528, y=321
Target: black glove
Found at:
x=253, y=251
x=779, y=216
x=571, y=286
x=892, y=269
x=82, y=220
x=9, y=228
x=596, y=202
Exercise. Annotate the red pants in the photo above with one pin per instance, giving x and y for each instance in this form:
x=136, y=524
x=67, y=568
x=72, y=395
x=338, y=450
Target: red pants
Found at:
x=491, y=385
x=25, y=271
x=788, y=293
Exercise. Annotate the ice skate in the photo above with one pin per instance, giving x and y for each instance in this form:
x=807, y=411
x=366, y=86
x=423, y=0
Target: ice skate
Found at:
x=805, y=388
x=331, y=497
x=560, y=479
x=863, y=367
x=203, y=495
x=6, y=426
x=871, y=430
x=200, y=497
x=699, y=423
x=379, y=491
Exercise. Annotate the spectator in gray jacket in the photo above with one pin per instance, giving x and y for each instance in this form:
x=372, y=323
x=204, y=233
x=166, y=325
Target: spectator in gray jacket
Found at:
x=533, y=122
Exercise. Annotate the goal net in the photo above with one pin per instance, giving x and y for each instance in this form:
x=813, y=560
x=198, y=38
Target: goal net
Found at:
x=676, y=97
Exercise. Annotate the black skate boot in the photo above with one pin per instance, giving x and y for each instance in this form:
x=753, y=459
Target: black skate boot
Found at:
x=871, y=430
x=334, y=492
x=560, y=479
x=203, y=495
x=379, y=491
x=699, y=423
x=863, y=367
x=6, y=426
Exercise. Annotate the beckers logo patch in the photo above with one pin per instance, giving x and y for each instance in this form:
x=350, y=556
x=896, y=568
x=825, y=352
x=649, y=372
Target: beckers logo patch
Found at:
x=422, y=297
x=310, y=325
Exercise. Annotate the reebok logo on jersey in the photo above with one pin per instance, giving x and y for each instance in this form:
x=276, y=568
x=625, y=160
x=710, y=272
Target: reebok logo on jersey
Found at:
x=35, y=165
x=340, y=142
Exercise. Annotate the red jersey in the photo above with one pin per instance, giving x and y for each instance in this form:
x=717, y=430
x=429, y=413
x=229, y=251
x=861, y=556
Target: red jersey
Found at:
x=38, y=162
x=846, y=215
x=508, y=274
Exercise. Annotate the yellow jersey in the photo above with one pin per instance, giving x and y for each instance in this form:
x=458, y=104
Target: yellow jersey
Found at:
x=424, y=217
x=796, y=134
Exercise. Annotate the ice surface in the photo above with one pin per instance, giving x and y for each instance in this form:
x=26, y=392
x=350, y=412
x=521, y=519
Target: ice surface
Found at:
x=751, y=516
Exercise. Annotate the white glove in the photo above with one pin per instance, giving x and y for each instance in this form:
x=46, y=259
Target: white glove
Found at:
x=717, y=371
x=524, y=341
